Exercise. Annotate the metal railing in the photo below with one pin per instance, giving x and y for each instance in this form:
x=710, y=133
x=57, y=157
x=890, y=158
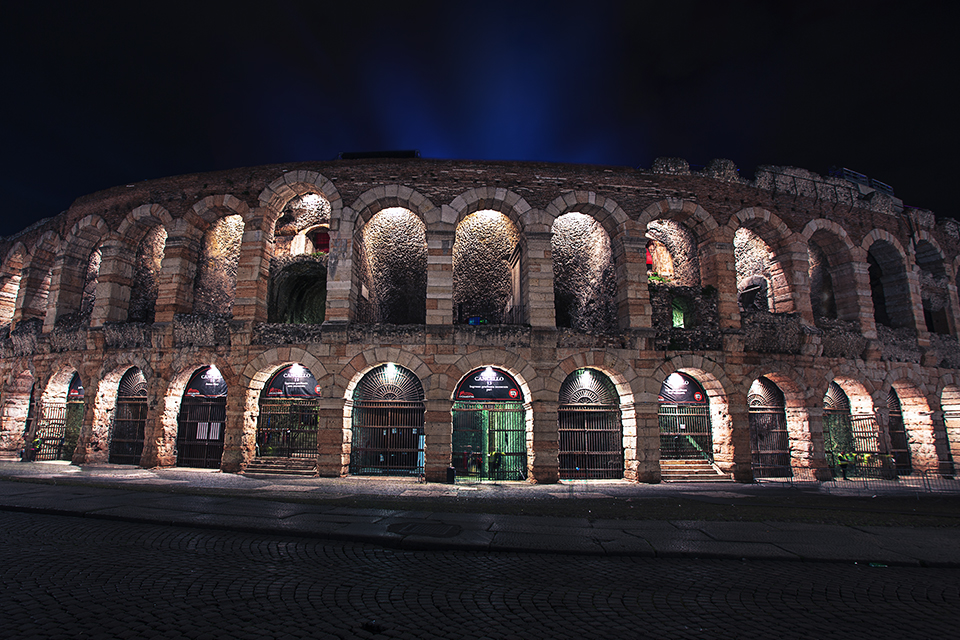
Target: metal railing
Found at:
x=929, y=481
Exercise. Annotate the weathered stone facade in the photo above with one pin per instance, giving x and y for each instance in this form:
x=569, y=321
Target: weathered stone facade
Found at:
x=175, y=274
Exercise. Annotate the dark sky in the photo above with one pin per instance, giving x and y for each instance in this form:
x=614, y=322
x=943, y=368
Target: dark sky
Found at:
x=97, y=95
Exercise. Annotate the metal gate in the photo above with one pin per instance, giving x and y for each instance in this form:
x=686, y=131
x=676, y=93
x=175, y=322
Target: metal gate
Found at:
x=837, y=435
x=769, y=438
x=899, y=440
x=387, y=438
x=288, y=428
x=591, y=443
x=200, y=432
x=58, y=427
x=685, y=432
x=129, y=419
x=769, y=443
x=490, y=440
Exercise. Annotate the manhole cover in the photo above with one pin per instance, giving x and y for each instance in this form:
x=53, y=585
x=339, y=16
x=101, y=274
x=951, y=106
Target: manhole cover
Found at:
x=433, y=530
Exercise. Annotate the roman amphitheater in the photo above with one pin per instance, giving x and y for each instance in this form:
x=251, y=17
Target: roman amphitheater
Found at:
x=488, y=320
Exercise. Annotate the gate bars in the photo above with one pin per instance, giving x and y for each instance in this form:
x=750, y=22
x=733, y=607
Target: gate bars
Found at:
x=288, y=428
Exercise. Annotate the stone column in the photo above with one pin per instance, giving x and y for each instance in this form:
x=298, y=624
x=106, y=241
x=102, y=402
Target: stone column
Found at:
x=440, y=278
x=543, y=443
x=177, y=271
x=718, y=269
x=341, y=290
x=648, y=442
x=438, y=429
x=633, y=298
x=253, y=270
x=114, y=281
x=333, y=459
x=816, y=458
x=538, y=275
x=235, y=455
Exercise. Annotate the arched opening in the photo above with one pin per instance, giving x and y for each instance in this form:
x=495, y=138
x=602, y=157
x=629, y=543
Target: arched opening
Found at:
x=393, y=268
x=298, y=270
x=769, y=436
x=950, y=403
x=216, y=280
x=489, y=427
x=682, y=312
x=823, y=298
x=289, y=415
x=590, y=430
x=584, y=281
x=934, y=288
x=756, y=272
x=200, y=425
x=387, y=436
x=899, y=438
x=486, y=270
x=129, y=419
x=837, y=427
x=888, y=286
x=672, y=254
x=684, y=415
x=10, y=284
x=59, y=422
x=146, y=275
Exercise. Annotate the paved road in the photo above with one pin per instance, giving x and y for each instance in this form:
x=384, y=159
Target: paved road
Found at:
x=69, y=577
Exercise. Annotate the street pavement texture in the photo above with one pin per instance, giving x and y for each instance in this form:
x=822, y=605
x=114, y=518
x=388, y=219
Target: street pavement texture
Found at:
x=71, y=577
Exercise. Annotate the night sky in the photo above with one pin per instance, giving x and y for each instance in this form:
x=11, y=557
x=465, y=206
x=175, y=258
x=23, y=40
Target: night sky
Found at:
x=97, y=95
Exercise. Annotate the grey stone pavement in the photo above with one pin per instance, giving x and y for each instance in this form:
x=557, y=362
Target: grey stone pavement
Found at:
x=268, y=505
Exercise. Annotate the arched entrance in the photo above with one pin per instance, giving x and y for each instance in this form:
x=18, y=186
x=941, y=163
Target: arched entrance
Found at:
x=856, y=436
x=289, y=414
x=387, y=434
x=489, y=427
x=59, y=424
x=769, y=439
x=591, y=434
x=684, y=416
x=203, y=412
x=899, y=439
x=130, y=419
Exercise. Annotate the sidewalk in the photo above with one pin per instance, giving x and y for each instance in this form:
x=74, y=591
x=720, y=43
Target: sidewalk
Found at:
x=281, y=506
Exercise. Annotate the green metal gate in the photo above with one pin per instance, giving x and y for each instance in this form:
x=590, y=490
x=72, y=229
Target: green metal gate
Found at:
x=490, y=440
x=685, y=432
x=58, y=426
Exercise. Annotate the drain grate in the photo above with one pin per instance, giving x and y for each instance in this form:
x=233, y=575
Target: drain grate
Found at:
x=430, y=529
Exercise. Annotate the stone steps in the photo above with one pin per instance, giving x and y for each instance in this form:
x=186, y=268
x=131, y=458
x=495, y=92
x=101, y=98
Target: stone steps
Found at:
x=273, y=466
x=691, y=471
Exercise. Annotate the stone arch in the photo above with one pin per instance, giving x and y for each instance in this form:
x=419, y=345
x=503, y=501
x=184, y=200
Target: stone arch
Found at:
x=717, y=386
x=390, y=255
x=924, y=442
x=131, y=266
x=935, y=287
x=291, y=184
x=76, y=273
x=531, y=384
x=501, y=200
x=605, y=211
x=691, y=214
x=892, y=303
x=775, y=261
x=33, y=297
x=346, y=378
x=221, y=219
x=831, y=270
x=584, y=273
x=95, y=439
x=11, y=273
x=949, y=398
x=167, y=423
x=57, y=385
x=799, y=409
x=488, y=266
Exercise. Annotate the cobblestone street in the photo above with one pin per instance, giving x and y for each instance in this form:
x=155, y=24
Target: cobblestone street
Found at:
x=67, y=577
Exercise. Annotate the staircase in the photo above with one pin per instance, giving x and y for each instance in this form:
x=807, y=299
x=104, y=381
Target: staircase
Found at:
x=691, y=471
x=273, y=466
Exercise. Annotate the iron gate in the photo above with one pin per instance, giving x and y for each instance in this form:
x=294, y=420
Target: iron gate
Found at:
x=685, y=432
x=129, y=424
x=200, y=432
x=490, y=440
x=591, y=442
x=58, y=426
x=769, y=442
x=288, y=428
x=899, y=441
x=387, y=438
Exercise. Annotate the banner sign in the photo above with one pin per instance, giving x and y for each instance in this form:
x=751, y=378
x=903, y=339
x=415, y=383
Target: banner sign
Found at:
x=489, y=384
x=75, y=393
x=293, y=381
x=681, y=389
x=207, y=383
